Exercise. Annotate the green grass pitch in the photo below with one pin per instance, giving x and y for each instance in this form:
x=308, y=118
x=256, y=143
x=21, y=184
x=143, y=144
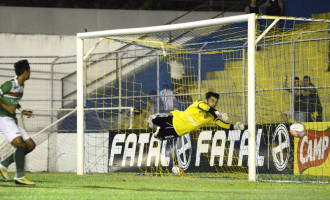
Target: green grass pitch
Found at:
x=128, y=186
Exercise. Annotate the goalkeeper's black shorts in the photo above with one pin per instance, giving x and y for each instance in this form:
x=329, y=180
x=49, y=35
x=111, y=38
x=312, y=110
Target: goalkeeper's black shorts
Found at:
x=165, y=122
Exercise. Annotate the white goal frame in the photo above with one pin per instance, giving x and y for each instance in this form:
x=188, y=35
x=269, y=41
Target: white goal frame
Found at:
x=249, y=18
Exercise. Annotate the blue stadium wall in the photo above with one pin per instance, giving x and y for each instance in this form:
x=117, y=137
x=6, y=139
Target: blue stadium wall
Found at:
x=305, y=8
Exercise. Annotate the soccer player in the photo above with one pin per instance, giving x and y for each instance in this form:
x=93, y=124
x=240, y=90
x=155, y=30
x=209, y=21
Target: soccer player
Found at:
x=11, y=93
x=178, y=123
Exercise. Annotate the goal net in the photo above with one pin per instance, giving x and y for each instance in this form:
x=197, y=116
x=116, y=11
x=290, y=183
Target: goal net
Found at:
x=123, y=76
x=292, y=85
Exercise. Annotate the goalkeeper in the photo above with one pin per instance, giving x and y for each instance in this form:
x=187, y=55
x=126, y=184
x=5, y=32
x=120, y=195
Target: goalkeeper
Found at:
x=178, y=123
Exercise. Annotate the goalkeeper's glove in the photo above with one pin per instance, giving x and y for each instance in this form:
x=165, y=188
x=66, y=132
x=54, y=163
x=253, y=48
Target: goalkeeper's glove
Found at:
x=222, y=116
x=239, y=126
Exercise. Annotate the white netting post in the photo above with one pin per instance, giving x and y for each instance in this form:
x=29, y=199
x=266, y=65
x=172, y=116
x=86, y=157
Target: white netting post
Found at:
x=80, y=107
x=251, y=98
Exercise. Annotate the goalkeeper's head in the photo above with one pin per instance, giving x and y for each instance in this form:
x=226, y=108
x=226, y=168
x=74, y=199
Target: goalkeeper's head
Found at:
x=22, y=68
x=211, y=99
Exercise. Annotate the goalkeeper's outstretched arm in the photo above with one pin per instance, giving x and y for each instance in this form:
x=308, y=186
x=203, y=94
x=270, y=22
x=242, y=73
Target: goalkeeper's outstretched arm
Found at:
x=220, y=118
x=216, y=114
x=203, y=106
x=237, y=126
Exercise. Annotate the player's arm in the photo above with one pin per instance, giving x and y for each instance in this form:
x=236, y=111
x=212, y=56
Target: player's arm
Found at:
x=281, y=5
x=29, y=113
x=4, y=89
x=203, y=106
x=237, y=126
x=11, y=109
x=216, y=114
x=223, y=124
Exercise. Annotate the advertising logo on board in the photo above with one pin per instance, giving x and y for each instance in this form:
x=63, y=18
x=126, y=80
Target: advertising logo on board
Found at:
x=313, y=149
x=281, y=147
x=205, y=150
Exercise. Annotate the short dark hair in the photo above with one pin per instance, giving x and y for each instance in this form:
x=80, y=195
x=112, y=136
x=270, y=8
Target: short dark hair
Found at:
x=21, y=66
x=307, y=78
x=211, y=94
x=296, y=78
x=153, y=92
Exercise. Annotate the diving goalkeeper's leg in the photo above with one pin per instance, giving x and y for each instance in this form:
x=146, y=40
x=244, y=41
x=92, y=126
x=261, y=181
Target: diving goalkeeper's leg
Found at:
x=165, y=129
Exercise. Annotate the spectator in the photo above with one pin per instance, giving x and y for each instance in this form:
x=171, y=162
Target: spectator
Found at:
x=253, y=7
x=184, y=100
x=168, y=99
x=274, y=7
x=137, y=121
x=177, y=70
x=312, y=100
x=299, y=114
x=152, y=103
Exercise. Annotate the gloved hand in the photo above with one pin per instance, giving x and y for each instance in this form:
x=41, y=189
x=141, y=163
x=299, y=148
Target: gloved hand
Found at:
x=239, y=126
x=222, y=116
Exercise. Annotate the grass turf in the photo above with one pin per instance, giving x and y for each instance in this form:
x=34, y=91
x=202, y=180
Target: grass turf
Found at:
x=128, y=186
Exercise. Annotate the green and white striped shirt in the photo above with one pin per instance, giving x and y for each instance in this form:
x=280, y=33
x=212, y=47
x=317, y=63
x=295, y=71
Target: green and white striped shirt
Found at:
x=10, y=93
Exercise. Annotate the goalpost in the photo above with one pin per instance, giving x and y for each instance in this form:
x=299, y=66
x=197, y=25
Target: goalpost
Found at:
x=243, y=58
x=251, y=74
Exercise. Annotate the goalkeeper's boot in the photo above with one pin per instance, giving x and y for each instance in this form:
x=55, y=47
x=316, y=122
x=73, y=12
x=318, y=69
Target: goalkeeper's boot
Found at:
x=23, y=181
x=4, y=173
x=151, y=117
x=156, y=134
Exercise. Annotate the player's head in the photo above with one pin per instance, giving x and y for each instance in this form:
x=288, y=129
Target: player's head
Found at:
x=306, y=81
x=166, y=87
x=22, y=67
x=211, y=99
x=153, y=92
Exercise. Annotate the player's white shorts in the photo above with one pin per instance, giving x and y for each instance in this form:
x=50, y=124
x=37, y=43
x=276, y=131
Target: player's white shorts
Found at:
x=11, y=130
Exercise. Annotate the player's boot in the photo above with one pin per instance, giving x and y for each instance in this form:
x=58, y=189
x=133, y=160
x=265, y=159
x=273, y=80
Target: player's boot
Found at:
x=23, y=181
x=4, y=173
x=156, y=134
x=151, y=117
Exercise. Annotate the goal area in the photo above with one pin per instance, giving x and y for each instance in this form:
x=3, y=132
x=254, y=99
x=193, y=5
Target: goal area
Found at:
x=125, y=75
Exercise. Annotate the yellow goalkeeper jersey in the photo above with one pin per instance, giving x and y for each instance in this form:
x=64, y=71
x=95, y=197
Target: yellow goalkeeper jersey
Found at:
x=194, y=117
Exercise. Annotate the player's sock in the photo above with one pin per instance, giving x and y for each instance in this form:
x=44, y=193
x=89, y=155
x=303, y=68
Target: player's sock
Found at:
x=10, y=159
x=19, y=158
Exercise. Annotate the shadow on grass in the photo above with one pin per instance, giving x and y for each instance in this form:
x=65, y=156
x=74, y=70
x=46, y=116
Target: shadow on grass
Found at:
x=143, y=189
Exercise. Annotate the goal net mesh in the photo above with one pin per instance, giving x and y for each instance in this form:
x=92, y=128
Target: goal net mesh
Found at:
x=131, y=76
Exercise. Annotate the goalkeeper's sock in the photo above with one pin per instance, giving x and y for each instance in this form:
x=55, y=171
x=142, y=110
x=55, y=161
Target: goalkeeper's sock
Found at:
x=19, y=158
x=10, y=159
